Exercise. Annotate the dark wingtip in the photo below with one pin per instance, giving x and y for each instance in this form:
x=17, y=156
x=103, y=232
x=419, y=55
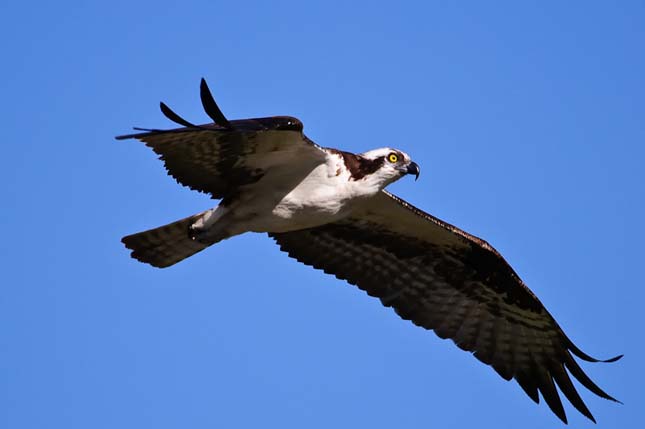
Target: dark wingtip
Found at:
x=614, y=359
x=579, y=374
x=137, y=135
x=210, y=106
x=168, y=113
x=584, y=356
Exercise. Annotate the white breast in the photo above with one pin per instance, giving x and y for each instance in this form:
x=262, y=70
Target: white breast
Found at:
x=281, y=203
x=323, y=196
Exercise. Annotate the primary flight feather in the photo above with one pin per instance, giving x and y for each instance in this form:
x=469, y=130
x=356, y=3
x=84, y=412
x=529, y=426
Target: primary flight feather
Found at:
x=328, y=208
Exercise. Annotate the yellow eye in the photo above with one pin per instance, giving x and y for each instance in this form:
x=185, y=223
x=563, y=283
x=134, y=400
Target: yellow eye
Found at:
x=393, y=157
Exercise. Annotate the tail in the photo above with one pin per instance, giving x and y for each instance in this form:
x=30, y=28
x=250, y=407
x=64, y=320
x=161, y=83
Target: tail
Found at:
x=165, y=246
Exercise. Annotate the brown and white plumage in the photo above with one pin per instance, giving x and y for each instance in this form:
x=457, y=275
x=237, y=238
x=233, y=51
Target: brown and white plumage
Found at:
x=444, y=279
x=327, y=208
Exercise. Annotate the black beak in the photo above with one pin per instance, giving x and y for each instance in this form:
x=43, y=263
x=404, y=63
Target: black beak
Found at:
x=413, y=168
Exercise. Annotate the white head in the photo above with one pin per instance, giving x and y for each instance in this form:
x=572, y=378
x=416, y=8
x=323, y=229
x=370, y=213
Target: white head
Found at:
x=386, y=165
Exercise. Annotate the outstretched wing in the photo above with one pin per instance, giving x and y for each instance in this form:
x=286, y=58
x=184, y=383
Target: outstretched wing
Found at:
x=444, y=279
x=220, y=157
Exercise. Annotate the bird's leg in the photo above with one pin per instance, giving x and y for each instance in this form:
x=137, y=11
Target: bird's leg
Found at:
x=203, y=229
x=214, y=225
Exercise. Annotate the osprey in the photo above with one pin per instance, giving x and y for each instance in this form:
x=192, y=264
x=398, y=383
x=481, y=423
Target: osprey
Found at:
x=328, y=209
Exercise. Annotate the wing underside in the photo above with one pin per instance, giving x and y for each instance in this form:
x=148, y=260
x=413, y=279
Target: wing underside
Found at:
x=220, y=157
x=444, y=279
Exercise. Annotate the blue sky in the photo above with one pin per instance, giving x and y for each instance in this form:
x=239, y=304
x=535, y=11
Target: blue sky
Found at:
x=527, y=121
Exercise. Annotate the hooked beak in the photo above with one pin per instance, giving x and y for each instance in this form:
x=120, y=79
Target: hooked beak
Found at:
x=413, y=168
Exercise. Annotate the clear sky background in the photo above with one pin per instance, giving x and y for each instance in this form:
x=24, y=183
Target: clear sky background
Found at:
x=528, y=122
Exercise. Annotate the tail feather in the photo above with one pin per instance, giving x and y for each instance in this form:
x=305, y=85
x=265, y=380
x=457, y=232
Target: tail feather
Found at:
x=165, y=246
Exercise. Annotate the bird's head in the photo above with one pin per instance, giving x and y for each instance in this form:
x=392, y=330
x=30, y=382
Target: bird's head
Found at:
x=390, y=165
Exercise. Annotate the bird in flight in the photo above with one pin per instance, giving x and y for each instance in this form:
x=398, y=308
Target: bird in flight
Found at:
x=329, y=209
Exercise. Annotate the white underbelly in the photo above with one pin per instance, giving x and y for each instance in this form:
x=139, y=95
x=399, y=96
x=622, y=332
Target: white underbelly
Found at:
x=307, y=205
x=320, y=198
x=293, y=213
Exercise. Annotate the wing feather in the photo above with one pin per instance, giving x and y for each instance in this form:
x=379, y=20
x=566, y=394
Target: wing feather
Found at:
x=210, y=106
x=445, y=279
x=220, y=157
